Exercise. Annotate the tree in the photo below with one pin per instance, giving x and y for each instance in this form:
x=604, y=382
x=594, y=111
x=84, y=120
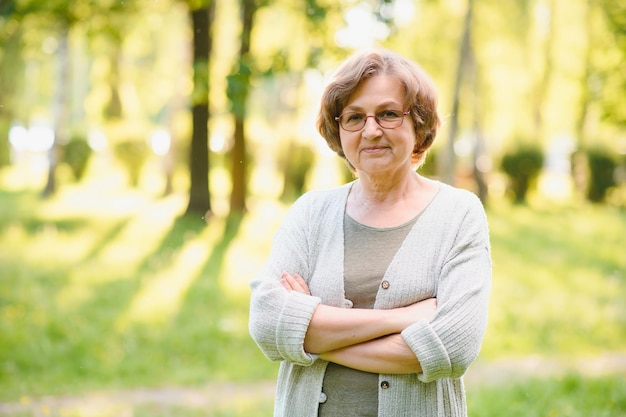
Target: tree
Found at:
x=202, y=17
x=11, y=73
x=61, y=110
x=585, y=87
x=542, y=84
x=447, y=159
x=238, y=91
x=613, y=80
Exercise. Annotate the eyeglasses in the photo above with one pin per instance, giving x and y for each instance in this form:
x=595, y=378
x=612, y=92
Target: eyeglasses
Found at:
x=355, y=121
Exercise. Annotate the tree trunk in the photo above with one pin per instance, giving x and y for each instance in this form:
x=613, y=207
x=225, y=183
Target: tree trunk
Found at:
x=60, y=112
x=480, y=152
x=541, y=90
x=11, y=80
x=585, y=88
x=199, y=193
x=113, y=109
x=447, y=159
x=239, y=95
x=238, y=168
x=578, y=160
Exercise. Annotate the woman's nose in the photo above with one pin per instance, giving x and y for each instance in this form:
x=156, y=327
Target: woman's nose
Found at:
x=372, y=128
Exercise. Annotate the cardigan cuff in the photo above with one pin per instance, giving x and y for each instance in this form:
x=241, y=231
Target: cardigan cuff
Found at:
x=429, y=350
x=293, y=323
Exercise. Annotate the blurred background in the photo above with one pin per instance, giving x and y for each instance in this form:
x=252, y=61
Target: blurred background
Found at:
x=150, y=148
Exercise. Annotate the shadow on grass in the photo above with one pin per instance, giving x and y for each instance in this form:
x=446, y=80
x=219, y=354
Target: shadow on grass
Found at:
x=17, y=204
x=21, y=206
x=106, y=238
x=210, y=319
x=563, y=239
x=183, y=229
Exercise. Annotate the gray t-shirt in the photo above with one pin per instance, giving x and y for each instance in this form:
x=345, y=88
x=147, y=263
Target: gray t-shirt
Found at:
x=368, y=253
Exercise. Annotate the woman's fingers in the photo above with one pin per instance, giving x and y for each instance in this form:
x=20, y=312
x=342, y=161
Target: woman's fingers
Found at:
x=294, y=283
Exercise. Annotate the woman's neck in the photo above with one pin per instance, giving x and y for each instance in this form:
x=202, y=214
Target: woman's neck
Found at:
x=386, y=191
x=389, y=204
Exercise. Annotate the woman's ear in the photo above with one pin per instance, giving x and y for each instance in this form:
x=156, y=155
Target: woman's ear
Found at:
x=419, y=154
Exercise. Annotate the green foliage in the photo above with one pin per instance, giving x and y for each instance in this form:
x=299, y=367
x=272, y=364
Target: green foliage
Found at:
x=522, y=167
x=76, y=154
x=238, y=86
x=602, y=165
x=296, y=162
x=429, y=168
x=4, y=142
x=200, y=94
x=132, y=154
x=614, y=83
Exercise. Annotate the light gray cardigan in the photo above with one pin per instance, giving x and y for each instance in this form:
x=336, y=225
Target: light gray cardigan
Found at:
x=446, y=255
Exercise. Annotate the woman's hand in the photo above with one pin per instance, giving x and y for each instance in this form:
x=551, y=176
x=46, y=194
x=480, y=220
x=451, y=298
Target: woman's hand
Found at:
x=333, y=327
x=418, y=311
x=294, y=283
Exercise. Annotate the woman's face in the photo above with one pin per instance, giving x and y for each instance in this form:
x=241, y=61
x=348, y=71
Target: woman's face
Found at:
x=374, y=150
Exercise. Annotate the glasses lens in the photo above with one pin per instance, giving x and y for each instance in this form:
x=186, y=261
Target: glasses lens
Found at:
x=353, y=121
x=389, y=119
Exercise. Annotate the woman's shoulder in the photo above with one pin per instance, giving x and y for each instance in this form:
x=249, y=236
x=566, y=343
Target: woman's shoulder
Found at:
x=325, y=197
x=457, y=192
x=455, y=198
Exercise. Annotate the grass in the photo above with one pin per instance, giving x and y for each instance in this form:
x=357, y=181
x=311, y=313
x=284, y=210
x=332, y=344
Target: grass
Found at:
x=559, y=280
x=569, y=396
x=106, y=288
x=121, y=298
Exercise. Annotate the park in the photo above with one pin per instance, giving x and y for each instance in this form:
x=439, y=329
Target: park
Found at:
x=141, y=182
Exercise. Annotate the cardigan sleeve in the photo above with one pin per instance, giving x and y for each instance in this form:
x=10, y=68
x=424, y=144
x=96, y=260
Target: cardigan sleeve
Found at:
x=448, y=343
x=278, y=319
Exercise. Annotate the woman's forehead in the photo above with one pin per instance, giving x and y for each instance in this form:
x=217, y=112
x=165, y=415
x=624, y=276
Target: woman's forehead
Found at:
x=377, y=91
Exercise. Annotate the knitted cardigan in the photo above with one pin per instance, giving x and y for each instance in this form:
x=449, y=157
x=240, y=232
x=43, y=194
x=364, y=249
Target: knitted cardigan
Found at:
x=446, y=255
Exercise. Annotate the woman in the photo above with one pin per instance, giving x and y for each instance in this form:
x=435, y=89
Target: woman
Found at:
x=374, y=297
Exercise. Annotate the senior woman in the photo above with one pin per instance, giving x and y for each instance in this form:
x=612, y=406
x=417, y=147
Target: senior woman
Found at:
x=374, y=296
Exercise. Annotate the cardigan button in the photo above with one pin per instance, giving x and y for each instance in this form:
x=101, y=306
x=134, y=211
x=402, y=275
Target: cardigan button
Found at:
x=384, y=384
x=323, y=398
x=385, y=285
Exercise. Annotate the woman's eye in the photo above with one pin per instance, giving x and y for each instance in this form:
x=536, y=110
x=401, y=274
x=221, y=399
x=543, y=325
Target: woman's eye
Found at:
x=354, y=117
x=389, y=114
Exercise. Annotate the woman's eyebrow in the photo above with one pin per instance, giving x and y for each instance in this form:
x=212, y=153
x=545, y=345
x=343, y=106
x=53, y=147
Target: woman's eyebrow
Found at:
x=385, y=104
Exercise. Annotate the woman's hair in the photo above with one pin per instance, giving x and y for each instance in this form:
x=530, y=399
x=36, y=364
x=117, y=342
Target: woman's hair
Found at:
x=420, y=99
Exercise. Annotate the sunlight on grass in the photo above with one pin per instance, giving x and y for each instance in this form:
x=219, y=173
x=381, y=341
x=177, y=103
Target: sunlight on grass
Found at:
x=123, y=251
x=247, y=253
x=141, y=234
x=160, y=296
x=559, y=277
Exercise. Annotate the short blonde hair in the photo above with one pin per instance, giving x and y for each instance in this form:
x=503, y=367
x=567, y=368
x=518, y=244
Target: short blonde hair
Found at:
x=420, y=100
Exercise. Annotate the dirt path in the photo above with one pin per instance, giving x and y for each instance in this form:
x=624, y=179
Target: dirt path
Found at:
x=216, y=396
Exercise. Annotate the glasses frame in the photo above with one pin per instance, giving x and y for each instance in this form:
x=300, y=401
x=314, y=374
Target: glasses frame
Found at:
x=367, y=116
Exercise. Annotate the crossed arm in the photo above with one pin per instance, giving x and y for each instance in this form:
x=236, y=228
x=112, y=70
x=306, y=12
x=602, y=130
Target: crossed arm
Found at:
x=364, y=339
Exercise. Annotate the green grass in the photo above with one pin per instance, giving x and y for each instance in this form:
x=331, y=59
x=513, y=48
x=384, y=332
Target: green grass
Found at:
x=568, y=396
x=127, y=296
x=571, y=396
x=109, y=289
x=559, y=281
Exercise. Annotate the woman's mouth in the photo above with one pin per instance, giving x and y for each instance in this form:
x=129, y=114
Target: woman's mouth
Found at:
x=374, y=149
